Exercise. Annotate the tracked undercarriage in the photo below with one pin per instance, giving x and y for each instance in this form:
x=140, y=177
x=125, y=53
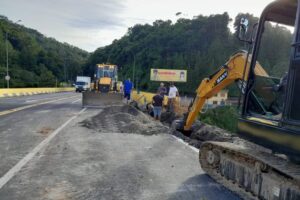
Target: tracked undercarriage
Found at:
x=251, y=173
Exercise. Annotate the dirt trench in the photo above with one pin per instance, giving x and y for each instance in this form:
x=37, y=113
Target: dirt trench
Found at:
x=202, y=132
x=129, y=119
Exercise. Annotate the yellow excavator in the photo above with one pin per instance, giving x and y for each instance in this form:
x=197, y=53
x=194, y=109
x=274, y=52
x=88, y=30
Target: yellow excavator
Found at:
x=270, y=117
x=105, y=87
x=233, y=71
x=105, y=78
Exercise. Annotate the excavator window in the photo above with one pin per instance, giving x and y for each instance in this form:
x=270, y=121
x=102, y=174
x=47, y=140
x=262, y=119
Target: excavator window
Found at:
x=268, y=93
x=267, y=101
x=293, y=110
x=99, y=72
x=295, y=105
x=106, y=71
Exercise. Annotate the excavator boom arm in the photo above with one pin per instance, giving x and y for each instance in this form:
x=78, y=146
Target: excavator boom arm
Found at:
x=234, y=70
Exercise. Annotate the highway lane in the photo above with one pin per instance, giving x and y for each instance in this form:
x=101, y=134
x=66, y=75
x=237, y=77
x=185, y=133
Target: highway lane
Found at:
x=7, y=103
x=79, y=163
x=21, y=131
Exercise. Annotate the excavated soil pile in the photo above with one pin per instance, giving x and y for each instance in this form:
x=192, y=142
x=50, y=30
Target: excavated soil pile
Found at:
x=204, y=132
x=128, y=119
x=168, y=118
x=124, y=119
x=201, y=133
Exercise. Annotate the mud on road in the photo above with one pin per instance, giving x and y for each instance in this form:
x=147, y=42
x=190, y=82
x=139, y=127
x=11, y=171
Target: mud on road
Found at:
x=124, y=119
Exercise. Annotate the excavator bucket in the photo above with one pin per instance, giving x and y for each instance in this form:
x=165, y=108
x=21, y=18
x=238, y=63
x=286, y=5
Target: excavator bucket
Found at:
x=97, y=99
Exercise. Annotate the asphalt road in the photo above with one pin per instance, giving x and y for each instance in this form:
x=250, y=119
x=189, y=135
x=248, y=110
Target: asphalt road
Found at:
x=46, y=153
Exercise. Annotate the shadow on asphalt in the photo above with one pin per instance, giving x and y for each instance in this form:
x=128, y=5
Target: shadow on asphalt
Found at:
x=202, y=187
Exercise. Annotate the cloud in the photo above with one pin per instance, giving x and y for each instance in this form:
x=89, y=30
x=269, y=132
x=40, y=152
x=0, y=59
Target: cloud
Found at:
x=90, y=14
x=90, y=24
x=95, y=23
x=77, y=22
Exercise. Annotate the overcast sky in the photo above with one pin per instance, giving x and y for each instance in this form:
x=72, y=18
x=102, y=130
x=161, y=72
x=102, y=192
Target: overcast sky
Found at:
x=90, y=24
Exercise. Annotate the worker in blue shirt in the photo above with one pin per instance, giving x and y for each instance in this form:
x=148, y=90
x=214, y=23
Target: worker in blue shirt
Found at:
x=127, y=89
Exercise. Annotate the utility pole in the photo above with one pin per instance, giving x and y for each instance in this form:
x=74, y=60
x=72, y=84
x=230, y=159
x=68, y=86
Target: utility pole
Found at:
x=65, y=74
x=7, y=77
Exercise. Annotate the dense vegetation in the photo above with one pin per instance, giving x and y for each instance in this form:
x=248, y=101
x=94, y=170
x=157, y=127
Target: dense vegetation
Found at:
x=225, y=117
x=200, y=45
x=35, y=60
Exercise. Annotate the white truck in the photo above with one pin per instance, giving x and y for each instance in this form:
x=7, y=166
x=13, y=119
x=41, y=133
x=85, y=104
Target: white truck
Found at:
x=83, y=83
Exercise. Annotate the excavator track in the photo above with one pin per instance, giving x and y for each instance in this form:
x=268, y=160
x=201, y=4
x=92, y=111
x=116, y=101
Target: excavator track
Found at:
x=251, y=173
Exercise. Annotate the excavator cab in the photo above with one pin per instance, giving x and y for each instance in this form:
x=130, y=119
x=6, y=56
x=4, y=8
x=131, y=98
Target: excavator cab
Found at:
x=106, y=76
x=271, y=107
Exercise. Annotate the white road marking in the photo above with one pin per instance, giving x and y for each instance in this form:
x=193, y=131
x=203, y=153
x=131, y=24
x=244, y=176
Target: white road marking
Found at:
x=34, y=100
x=40, y=99
x=185, y=143
x=76, y=101
x=15, y=169
x=30, y=97
x=43, y=111
x=5, y=112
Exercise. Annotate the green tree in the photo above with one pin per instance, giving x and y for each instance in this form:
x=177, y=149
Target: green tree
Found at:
x=35, y=60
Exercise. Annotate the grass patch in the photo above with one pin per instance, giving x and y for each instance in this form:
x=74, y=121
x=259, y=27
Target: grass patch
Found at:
x=225, y=117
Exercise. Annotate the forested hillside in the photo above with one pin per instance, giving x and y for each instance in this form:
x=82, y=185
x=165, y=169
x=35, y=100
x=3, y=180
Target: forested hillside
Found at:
x=200, y=45
x=35, y=60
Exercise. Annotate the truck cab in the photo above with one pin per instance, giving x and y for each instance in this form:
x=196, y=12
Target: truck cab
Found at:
x=83, y=83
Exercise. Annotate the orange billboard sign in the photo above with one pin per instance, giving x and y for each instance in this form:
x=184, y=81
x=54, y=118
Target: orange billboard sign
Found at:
x=170, y=75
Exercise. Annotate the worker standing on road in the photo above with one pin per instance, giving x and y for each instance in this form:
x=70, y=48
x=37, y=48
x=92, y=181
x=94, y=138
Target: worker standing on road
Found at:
x=127, y=89
x=162, y=89
x=115, y=87
x=157, y=102
x=173, y=93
